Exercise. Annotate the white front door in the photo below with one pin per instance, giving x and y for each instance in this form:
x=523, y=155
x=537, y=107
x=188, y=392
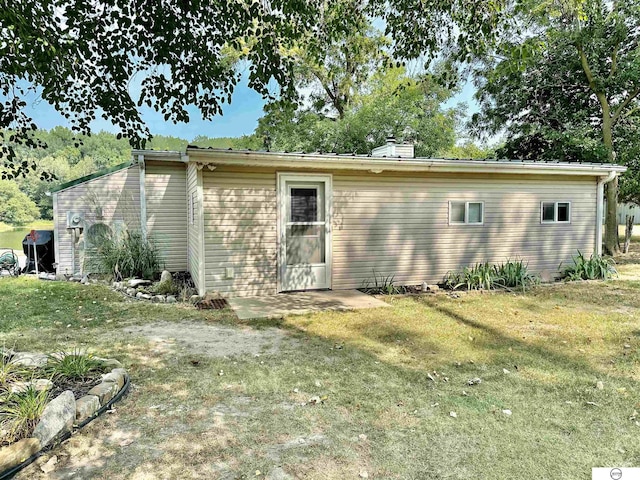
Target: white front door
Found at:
x=304, y=218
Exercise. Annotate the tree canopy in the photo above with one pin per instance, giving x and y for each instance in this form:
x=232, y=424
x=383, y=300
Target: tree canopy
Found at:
x=15, y=207
x=390, y=103
x=567, y=87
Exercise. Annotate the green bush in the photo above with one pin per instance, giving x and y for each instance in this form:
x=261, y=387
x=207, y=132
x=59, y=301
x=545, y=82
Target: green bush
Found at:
x=74, y=365
x=485, y=276
x=596, y=267
x=129, y=255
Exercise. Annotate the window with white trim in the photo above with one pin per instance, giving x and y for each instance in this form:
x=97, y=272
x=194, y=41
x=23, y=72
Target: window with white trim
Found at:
x=555, y=212
x=192, y=208
x=466, y=213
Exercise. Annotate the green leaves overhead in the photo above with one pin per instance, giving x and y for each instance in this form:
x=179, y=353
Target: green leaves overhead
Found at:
x=109, y=58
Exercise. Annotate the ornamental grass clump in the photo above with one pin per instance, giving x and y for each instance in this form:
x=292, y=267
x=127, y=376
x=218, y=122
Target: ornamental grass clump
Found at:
x=20, y=413
x=486, y=276
x=129, y=255
x=595, y=267
x=74, y=365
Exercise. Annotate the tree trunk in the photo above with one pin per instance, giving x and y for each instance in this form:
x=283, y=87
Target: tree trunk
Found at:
x=611, y=240
x=628, y=232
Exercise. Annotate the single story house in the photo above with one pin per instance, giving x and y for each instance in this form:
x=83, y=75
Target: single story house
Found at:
x=254, y=223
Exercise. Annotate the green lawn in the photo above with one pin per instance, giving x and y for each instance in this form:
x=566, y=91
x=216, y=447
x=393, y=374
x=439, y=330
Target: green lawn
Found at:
x=11, y=236
x=388, y=380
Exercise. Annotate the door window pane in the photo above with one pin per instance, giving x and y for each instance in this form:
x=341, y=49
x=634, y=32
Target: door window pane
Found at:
x=563, y=212
x=475, y=213
x=457, y=212
x=304, y=205
x=548, y=212
x=305, y=244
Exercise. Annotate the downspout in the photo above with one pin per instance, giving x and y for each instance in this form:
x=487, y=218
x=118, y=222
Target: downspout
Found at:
x=600, y=208
x=143, y=198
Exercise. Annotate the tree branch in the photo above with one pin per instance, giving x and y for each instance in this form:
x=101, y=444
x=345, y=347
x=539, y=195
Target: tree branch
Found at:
x=625, y=104
x=602, y=98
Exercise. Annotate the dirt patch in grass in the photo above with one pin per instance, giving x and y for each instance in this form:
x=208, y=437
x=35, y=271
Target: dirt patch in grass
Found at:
x=214, y=340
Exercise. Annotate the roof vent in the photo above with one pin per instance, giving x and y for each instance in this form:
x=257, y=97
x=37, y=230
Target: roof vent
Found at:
x=393, y=149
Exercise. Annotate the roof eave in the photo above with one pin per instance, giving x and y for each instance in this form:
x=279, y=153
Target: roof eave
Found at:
x=381, y=164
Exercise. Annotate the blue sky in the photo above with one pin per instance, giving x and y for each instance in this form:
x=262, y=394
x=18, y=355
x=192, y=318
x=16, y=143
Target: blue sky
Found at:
x=240, y=118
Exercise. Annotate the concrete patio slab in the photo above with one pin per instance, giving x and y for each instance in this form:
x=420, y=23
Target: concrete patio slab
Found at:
x=297, y=303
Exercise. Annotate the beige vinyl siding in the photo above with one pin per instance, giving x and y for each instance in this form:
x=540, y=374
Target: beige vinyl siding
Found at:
x=399, y=225
x=395, y=223
x=118, y=194
x=194, y=253
x=240, y=231
x=165, y=192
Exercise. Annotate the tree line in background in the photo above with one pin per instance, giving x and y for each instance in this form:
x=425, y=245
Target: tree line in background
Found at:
x=558, y=79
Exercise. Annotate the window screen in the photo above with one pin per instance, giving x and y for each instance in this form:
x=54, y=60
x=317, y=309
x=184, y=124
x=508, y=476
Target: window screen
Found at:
x=304, y=205
x=466, y=212
x=563, y=212
x=475, y=213
x=548, y=212
x=457, y=212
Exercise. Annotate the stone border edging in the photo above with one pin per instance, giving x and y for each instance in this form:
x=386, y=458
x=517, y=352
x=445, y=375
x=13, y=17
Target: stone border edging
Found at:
x=58, y=428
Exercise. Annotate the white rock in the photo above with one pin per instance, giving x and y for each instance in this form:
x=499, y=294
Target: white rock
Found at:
x=171, y=299
x=362, y=437
x=165, y=276
x=363, y=474
x=453, y=414
x=138, y=282
x=506, y=411
x=599, y=385
x=50, y=466
x=29, y=359
x=57, y=418
x=505, y=371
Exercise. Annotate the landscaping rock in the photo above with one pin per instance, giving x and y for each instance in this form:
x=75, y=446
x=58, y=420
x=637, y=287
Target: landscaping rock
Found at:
x=57, y=418
x=86, y=407
x=50, y=466
x=117, y=376
x=117, y=285
x=39, y=385
x=194, y=298
x=165, y=276
x=171, y=299
x=138, y=282
x=18, y=452
x=143, y=296
x=109, y=362
x=131, y=292
x=29, y=359
x=85, y=280
x=158, y=299
x=104, y=391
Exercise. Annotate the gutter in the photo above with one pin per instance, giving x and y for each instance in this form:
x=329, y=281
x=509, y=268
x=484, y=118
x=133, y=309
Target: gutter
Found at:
x=600, y=207
x=383, y=164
